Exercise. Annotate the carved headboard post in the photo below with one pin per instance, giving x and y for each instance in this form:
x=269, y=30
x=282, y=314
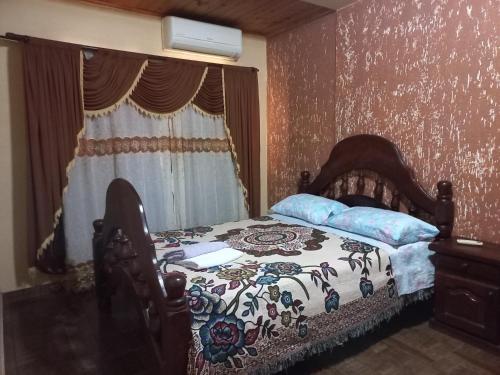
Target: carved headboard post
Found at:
x=175, y=325
x=125, y=258
x=445, y=209
x=304, y=181
x=101, y=286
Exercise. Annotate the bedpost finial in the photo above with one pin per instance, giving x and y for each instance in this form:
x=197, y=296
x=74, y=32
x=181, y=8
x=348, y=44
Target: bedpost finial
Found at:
x=445, y=190
x=445, y=209
x=98, y=226
x=304, y=181
x=175, y=284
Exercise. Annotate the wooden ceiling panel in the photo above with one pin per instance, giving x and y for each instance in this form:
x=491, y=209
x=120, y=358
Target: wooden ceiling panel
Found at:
x=265, y=17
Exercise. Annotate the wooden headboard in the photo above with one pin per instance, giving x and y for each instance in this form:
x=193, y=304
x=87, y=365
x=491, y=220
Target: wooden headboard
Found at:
x=370, y=156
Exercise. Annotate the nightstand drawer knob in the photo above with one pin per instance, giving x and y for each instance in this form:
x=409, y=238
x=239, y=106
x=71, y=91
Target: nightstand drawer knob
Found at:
x=464, y=266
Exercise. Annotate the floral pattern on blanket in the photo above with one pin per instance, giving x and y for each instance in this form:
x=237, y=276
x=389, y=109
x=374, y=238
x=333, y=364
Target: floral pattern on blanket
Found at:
x=244, y=309
x=269, y=239
x=258, y=240
x=176, y=238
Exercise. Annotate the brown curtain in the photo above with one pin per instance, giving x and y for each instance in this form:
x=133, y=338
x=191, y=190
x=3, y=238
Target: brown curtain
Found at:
x=242, y=118
x=108, y=76
x=54, y=115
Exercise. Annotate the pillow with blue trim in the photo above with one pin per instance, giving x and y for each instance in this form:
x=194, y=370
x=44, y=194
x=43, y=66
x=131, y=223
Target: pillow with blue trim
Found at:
x=394, y=228
x=311, y=208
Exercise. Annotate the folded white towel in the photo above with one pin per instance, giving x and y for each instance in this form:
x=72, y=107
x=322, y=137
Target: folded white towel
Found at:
x=212, y=259
x=174, y=254
x=195, y=250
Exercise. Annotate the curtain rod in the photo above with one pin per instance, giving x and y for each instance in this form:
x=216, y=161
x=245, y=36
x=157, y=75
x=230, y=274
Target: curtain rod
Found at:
x=7, y=38
x=26, y=39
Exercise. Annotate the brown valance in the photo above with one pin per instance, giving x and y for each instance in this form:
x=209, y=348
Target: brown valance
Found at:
x=242, y=118
x=210, y=98
x=168, y=85
x=157, y=86
x=55, y=117
x=108, y=77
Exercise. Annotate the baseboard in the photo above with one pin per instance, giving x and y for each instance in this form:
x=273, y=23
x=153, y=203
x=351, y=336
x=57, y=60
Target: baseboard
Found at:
x=2, y=351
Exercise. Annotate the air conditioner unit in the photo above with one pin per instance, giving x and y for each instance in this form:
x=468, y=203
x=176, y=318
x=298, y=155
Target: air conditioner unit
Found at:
x=189, y=35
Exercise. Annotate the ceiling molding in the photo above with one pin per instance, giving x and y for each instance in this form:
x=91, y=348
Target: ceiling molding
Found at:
x=331, y=4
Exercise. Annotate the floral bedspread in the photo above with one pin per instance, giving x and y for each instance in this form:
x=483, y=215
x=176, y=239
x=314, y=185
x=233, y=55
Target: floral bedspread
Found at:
x=296, y=291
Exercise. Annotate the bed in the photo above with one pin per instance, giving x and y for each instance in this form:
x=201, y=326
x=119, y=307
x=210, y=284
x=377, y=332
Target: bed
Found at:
x=298, y=290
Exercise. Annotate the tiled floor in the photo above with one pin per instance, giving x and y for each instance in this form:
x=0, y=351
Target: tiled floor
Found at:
x=51, y=332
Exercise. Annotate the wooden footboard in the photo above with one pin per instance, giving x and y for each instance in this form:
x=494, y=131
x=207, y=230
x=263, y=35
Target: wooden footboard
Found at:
x=124, y=257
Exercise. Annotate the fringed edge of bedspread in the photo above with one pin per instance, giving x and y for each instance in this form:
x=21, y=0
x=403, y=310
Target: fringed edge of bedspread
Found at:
x=321, y=346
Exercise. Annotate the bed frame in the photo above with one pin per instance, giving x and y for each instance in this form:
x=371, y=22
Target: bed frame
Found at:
x=124, y=254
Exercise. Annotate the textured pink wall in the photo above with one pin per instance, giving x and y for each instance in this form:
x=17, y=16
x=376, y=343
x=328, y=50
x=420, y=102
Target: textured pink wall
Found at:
x=426, y=74
x=301, y=101
x=423, y=73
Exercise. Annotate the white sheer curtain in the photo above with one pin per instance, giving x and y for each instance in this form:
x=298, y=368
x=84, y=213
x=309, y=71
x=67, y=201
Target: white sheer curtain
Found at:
x=180, y=166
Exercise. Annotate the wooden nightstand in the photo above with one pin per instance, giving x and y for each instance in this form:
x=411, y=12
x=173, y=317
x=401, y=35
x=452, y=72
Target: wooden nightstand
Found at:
x=467, y=291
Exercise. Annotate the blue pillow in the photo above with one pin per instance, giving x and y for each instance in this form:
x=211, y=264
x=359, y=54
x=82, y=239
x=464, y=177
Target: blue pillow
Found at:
x=394, y=228
x=311, y=208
